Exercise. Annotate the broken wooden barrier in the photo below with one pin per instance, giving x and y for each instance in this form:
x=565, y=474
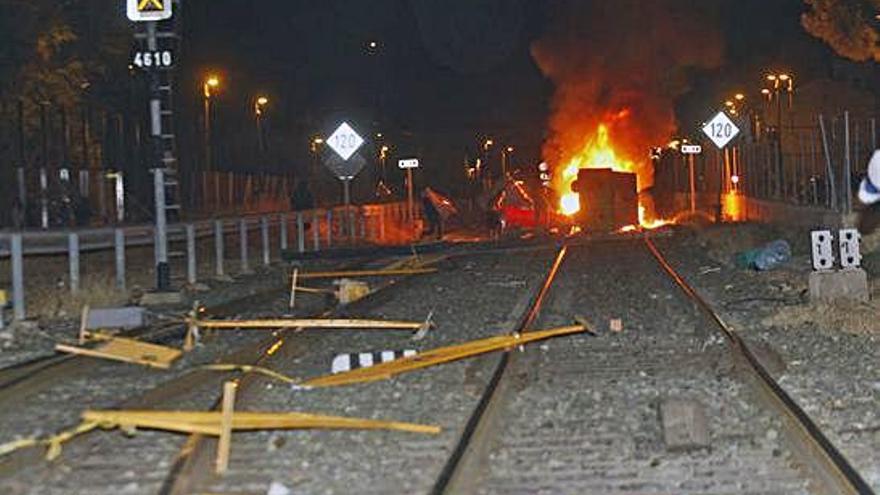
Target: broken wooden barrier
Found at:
x=209, y=422
x=367, y=273
x=195, y=325
x=438, y=356
x=127, y=350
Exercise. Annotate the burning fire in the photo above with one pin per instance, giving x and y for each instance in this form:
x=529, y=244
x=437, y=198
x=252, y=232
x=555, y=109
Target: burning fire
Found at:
x=598, y=152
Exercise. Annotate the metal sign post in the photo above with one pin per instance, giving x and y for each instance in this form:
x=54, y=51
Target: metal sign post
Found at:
x=690, y=150
x=345, y=165
x=409, y=165
x=721, y=130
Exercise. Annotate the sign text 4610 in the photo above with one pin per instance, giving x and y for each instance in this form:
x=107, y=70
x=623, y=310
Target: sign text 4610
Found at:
x=159, y=58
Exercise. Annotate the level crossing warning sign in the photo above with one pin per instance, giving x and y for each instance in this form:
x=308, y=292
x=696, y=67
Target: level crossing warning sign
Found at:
x=149, y=10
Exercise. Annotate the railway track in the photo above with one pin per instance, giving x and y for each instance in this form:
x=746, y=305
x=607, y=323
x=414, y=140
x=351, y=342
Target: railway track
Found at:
x=576, y=415
x=469, y=468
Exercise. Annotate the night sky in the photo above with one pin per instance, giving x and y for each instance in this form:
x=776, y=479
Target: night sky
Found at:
x=446, y=73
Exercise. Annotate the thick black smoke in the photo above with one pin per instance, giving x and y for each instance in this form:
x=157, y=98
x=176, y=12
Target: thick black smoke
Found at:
x=849, y=26
x=622, y=63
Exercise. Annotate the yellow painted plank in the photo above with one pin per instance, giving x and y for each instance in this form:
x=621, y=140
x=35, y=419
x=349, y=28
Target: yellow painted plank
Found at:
x=128, y=350
x=208, y=422
x=309, y=323
x=367, y=273
x=438, y=356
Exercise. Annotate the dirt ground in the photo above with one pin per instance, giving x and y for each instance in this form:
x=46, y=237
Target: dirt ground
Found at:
x=724, y=242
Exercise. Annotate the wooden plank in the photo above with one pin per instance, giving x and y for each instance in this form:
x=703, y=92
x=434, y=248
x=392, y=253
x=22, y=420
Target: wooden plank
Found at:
x=208, y=422
x=309, y=323
x=225, y=442
x=438, y=356
x=293, y=288
x=367, y=273
x=83, y=323
x=129, y=351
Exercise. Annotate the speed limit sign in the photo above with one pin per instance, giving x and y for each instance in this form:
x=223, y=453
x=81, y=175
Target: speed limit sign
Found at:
x=721, y=130
x=345, y=141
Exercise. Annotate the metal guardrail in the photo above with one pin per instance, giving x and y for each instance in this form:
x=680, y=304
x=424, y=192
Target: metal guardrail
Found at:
x=327, y=227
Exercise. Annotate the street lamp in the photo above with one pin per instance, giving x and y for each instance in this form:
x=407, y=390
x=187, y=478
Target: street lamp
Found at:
x=316, y=142
x=781, y=82
x=260, y=103
x=505, y=159
x=211, y=83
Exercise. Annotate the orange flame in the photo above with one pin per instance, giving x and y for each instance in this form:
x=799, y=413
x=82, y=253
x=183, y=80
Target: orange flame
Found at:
x=596, y=153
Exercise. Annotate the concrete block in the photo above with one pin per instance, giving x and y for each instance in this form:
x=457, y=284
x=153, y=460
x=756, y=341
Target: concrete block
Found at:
x=125, y=318
x=163, y=299
x=844, y=284
x=684, y=423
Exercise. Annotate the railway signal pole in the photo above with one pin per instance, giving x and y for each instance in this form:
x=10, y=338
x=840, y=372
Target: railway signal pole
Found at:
x=157, y=62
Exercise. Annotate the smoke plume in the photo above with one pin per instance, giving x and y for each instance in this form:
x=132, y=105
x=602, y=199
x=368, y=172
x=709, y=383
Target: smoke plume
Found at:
x=849, y=26
x=622, y=63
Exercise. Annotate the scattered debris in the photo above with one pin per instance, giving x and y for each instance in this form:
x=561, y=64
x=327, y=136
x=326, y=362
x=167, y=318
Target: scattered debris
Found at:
x=705, y=270
x=616, y=325
x=351, y=290
x=293, y=288
x=127, y=350
x=437, y=356
x=209, y=422
x=247, y=368
x=767, y=257
x=367, y=273
x=351, y=361
x=196, y=325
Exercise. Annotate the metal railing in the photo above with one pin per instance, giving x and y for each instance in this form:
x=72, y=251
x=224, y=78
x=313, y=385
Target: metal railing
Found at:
x=818, y=165
x=300, y=232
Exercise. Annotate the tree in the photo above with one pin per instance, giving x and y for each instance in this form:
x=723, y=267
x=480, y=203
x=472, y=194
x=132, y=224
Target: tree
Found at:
x=849, y=26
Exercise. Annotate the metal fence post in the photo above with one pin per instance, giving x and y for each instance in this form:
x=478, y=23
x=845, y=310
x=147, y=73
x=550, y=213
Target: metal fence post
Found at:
x=383, y=210
x=218, y=248
x=300, y=233
x=243, y=245
x=329, y=227
x=17, y=253
x=264, y=234
x=191, y=272
x=282, y=230
x=119, y=251
x=73, y=259
x=316, y=230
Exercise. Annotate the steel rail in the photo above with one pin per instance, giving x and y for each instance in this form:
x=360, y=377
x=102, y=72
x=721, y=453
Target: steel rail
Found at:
x=488, y=402
x=826, y=461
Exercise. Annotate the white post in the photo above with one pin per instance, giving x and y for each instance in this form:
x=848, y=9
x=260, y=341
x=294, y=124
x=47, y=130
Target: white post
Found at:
x=282, y=232
x=329, y=227
x=264, y=233
x=73, y=258
x=119, y=249
x=300, y=233
x=316, y=230
x=17, y=253
x=243, y=245
x=191, y=272
x=218, y=248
